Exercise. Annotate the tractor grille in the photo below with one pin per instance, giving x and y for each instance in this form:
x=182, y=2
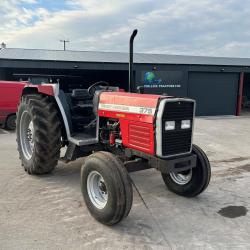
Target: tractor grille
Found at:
x=177, y=141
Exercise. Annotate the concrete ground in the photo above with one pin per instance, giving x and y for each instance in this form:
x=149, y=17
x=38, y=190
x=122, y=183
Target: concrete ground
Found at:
x=48, y=212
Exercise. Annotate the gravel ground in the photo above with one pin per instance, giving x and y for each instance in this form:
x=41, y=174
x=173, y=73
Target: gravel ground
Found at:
x=48, y=212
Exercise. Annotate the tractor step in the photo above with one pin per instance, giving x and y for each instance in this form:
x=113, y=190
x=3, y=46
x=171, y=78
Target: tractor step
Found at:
x=81, y=139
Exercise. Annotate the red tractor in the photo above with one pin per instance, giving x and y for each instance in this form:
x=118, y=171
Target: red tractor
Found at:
x=118, y=132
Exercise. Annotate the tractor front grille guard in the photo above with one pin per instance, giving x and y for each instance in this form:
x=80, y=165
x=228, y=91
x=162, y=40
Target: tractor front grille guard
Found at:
x=174, y=127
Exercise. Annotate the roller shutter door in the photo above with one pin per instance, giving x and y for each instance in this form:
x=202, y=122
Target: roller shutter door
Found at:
x=215, y=93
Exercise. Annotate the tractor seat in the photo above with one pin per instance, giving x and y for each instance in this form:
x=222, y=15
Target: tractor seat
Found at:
x=81, y=100
x=81, y=94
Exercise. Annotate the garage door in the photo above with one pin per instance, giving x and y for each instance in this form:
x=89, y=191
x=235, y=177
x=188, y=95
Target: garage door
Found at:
x=215, y=93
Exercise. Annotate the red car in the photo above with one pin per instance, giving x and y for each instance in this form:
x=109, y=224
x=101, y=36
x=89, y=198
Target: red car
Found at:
x=10, y=93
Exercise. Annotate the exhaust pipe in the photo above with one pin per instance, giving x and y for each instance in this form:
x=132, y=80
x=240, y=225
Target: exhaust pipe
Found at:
x=131, y=58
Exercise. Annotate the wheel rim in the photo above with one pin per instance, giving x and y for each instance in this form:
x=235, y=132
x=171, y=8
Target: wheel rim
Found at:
x=97, y=190
x=182, y=178
x=26, y=134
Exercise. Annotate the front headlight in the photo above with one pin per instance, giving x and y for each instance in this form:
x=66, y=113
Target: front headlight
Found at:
x=185, y=124
x=169, y=125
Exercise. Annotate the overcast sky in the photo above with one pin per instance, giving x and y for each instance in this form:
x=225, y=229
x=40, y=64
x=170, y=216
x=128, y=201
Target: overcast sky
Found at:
x=191, y=27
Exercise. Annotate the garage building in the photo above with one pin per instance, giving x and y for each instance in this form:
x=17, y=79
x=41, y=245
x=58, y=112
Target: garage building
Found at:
x=220, y=86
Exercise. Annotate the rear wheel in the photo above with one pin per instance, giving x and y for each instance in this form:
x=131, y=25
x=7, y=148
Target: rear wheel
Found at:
x=191, y=182
x=38, y=134
x=10, y=123
x=106, y=188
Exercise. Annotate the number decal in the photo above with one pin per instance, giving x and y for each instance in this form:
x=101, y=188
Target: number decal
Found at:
x=147, y=111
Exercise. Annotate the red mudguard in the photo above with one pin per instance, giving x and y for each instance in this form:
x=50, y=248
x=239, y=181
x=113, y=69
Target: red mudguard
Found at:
x=46, y=89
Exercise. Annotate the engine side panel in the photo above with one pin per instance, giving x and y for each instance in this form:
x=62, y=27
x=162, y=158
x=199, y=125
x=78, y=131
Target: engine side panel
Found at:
x=138, y=135
x=136, y=113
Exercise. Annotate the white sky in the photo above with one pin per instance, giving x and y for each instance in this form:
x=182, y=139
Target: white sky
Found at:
x=193, y=27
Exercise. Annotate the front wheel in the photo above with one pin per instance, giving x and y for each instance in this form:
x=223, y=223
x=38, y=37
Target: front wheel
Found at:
x=106, y=188
x=191, y=182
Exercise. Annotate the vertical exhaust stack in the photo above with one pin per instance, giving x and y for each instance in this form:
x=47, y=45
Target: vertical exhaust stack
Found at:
x=131, y=59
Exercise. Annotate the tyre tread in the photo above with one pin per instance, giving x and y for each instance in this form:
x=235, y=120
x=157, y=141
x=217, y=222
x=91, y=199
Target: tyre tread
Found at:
x=122, y=184
x=48, y=134
x=199, y=184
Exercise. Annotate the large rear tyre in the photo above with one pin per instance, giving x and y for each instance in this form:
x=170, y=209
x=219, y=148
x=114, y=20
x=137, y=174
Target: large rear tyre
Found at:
x=192, y=182
x=106, y=188
x=38, y=134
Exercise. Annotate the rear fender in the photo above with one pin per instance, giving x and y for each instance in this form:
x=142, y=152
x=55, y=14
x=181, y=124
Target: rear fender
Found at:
x=46, y=89
x=57, y=95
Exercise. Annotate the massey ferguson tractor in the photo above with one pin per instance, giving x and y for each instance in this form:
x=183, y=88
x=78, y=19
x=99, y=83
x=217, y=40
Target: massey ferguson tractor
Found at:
x=117, y=133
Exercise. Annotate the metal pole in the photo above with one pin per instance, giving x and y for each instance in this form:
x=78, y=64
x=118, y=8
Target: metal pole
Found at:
x=64, y=43
x=240, y=93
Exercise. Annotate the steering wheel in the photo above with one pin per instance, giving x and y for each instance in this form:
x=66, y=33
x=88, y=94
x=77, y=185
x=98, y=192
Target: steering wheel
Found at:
x=94, y=87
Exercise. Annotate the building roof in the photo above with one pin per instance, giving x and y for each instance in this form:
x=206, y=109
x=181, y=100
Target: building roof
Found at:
x=117, y=57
